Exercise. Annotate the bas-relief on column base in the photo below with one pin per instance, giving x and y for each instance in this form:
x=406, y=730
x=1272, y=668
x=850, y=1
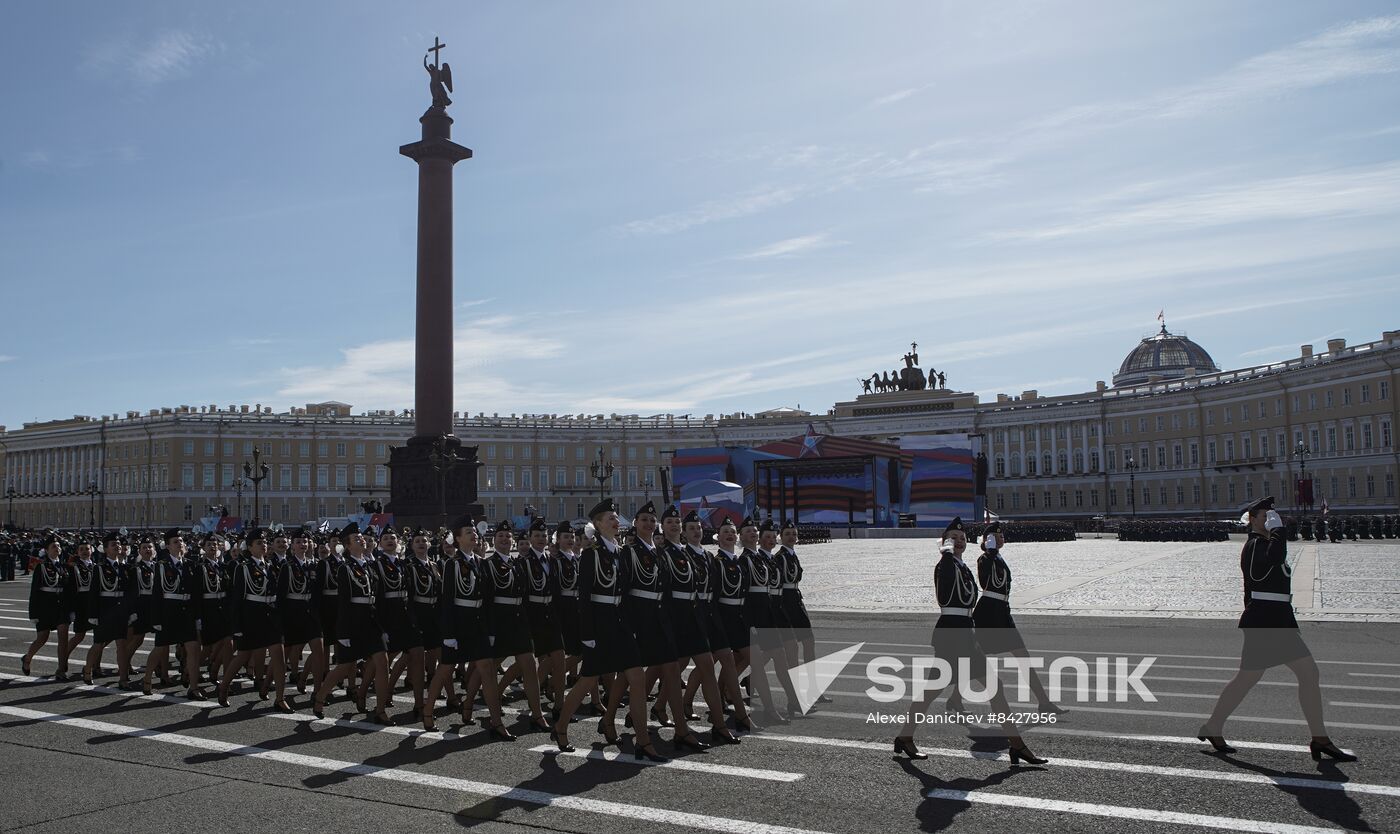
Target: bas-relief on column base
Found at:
x=413, y=483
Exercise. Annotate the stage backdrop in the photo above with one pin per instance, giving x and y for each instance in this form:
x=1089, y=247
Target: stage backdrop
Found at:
x=930, y=477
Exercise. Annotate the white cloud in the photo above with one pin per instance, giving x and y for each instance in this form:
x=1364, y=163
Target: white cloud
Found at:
x=899, y=95
x=161, y=57
x=1350, y=192
x=792, y=246
x=4, y=358
x=739, y=205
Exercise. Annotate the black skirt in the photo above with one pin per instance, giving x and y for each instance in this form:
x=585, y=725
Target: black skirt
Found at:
x=715, y=636
x=468, y=627
x=796, y=611
x=656, y=643
x=364, y=644
x=996, y=630
x=213, y=624
x=300, y=625
x=545, y=635
x=112, y=622
x=329, y=611
x=260, y=628
x=736, y=628
x=145, y=614
x=511, y=631
x=425, y=619
x=177, y=626
x=955, y=640
x=566, y=609
x=394, y=617
x=614, y=646
x=687, y=629
x=1266, y=647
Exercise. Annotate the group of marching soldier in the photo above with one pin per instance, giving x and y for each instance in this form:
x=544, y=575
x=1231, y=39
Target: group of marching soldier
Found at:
x=456, y=613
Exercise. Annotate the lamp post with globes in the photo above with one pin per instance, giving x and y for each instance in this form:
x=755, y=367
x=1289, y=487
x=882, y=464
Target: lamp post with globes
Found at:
x=1132, y=467
x=602, y=470
x=1304, y=493
x=92, y=505
x=10, y=497
x=256, y=473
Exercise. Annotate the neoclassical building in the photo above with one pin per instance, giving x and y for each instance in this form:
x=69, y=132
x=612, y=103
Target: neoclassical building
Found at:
x=1173, y=436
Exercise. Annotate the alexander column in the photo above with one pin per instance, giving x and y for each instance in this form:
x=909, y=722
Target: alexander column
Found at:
x=433, y=477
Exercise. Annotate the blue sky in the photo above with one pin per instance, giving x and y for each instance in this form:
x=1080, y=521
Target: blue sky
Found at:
x=690, y=208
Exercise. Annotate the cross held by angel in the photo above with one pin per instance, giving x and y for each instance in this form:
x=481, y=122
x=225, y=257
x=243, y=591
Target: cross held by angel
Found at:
x=439, y=76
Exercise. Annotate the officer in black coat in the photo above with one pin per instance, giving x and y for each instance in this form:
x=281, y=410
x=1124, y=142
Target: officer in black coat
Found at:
x=256, y=621
x=299, y=603
x=1271, y=635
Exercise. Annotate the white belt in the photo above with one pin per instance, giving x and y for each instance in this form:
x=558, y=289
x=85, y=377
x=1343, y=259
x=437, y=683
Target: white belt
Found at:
x=542, y=598
x=685, y=595
x=330, y=592
x=730, y=601
x=606, y=599
x=995, y=595
x=775, y=592
x=957, y=612
x=573, y=593
x=396, y=594
x=426, y=600
x=147, y=593
x=215, y=595
x=256, y=598
x=362, y=600
x=637, y=592
x=298, y=596
x=787, y=585
x=467, y=603
x=758, y=589
x=178, y=597
x=111, y=593
x=1270, y=597
x=49, y=590
x=506, y=600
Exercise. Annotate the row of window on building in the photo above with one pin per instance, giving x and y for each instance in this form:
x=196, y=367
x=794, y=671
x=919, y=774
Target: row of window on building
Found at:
x=1335, y=488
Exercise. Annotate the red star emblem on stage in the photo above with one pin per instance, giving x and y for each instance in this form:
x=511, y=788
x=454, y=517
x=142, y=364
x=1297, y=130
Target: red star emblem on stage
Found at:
x=809, y=443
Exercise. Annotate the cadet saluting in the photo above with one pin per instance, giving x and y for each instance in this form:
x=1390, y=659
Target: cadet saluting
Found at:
x=1271, y=633
x=954, y=640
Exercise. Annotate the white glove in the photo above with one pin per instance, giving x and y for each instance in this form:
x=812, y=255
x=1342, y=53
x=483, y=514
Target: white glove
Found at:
x=386, y=637
x=592, y=644
x=1272, y=521
x=238, y=634
x=131, y=619
x=198, y=625
x=451, y=644
x=991, y=542
x=92, y=620
x=157, y=628
x=491, y=641
x=343, y=642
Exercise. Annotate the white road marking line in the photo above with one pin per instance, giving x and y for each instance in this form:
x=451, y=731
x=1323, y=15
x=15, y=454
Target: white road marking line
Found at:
x=78, y=659
x=1292, y=683
x=16, y=619
x=1117, y=767
x=1372, y=675
x=405, y=776
x=1187, y=740
x=1362, y=706
x=673, y=764
x=1123, y=812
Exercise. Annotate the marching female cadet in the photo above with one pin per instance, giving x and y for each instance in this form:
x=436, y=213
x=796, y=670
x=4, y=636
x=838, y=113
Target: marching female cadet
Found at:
x=215, y=633
x=424, y=579
x=462, y=623
x=109, y=605
x=546, y=633
x=391, y=607
x=1271, y=635
x=708, y=572
x=46, y=608
x=608, y=642
x=256, y=624
x=359, y=636
x=143, y=576
x=507, y=626
x=690, y=624
x=175, y=615
x=954, y=640
x=328, y=567
x=565, y=564
x=648, y=608
x=298, y=600
x=996, y=630
x=785, y=657
x=790, y=569
x=758, y=615
x=77, y=587
x=729, y=579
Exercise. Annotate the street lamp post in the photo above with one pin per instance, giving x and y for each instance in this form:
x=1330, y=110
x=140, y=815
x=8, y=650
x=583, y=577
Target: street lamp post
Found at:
x=647, y=484
x=238, y=486
x=92, y=505
x=1302, y=453
x=1132, y=466
x=10, y=496
x=602, y=470
x=256, y=472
